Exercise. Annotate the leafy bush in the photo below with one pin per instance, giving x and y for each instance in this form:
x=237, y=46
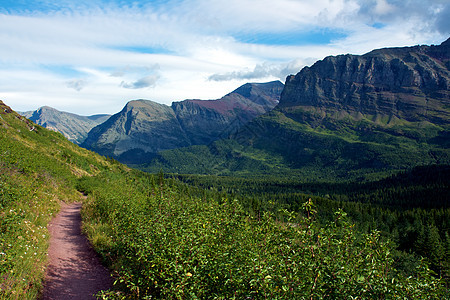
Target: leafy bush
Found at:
x=164, y=244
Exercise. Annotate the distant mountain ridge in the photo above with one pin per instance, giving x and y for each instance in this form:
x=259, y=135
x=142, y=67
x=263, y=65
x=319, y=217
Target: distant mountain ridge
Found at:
x=143, y=128
x=345, y=116
x=206, y=121
x=410, y=83
x=74, y=127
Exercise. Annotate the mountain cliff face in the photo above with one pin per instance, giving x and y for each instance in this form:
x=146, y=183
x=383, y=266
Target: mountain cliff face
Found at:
x=74, y=127
x=345, y=116
x=207, y=121
x=143, y=128
x=411, y=83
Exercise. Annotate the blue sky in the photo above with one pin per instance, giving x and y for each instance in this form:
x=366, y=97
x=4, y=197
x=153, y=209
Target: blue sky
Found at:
x=93, y=56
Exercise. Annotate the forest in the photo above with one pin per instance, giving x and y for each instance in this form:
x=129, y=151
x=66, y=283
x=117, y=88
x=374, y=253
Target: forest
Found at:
x=171, y=239
x=410, y=208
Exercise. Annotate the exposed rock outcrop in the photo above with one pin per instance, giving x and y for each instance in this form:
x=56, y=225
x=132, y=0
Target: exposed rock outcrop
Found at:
x=74, y=127
x=207, y=121
x=410, y=83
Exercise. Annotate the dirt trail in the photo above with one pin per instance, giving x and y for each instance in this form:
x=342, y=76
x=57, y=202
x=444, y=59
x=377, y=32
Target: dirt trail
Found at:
x=74, y=270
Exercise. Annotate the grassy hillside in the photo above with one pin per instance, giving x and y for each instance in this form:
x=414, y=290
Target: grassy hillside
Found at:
x=165, y=239
x=39, y=168
x=314, y=148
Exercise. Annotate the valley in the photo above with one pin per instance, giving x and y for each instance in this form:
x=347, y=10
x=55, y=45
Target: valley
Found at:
x=334, y=184
x=345, y=117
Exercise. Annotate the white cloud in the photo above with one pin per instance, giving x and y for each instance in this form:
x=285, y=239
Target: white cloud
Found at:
x=145, y=82
x=166, y=51
x=382, y=7
x=76, y=84
x=268, y=71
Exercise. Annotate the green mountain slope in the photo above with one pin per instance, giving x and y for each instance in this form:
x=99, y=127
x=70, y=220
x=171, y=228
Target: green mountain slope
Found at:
x=39, y=168
x=345, y=117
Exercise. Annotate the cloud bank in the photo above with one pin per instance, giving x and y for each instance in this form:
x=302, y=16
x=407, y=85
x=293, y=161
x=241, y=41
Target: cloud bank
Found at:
x=93, y=56
x=264, y=70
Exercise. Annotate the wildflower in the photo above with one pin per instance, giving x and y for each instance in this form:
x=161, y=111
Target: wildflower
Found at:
x=189, y=274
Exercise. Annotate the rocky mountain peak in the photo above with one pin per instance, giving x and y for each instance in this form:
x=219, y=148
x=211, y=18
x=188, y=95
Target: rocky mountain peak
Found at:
x=148, y=110
x=410, y=83
x=74, y=127
x=261, y=93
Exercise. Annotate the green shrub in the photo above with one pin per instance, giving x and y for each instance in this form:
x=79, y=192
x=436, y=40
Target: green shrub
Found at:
x=164, y=244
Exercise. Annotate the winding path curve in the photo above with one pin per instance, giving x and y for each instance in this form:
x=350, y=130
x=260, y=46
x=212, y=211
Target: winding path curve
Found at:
x=74, y=270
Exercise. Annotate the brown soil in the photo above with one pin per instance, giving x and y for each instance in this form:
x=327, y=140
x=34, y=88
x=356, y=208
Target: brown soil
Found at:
x=74, y=270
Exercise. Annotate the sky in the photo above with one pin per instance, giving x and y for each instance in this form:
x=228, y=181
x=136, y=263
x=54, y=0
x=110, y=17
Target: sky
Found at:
x=93, y=56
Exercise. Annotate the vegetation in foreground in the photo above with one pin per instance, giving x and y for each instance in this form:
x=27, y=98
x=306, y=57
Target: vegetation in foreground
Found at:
x=168, y=240
x=410, y=209
x=38, y=169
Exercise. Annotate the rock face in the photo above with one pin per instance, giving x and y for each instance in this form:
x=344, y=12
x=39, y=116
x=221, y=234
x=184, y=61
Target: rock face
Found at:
x=74, y=127
x=143, y=128
x=207, y=121
x=411, y=83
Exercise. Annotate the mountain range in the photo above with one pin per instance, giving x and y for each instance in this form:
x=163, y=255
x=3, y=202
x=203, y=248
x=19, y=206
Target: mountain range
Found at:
x=345, y=116
x=74, y=127
x=125, y=210
x=143, y=128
